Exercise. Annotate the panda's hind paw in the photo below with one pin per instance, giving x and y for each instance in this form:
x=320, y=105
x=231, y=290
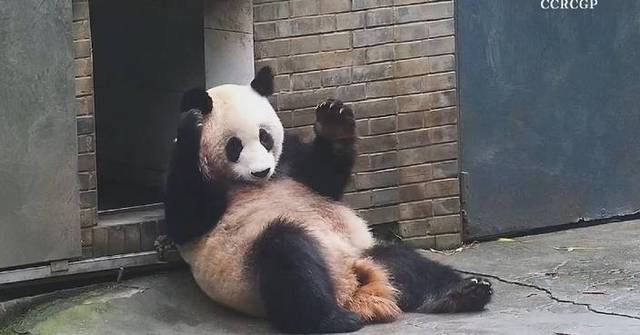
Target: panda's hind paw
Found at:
x=477, y=286
x=335, y=120
x=468, y=295
x=474, y=293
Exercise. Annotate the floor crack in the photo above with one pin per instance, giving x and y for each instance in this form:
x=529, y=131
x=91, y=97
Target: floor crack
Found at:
x=550, y=294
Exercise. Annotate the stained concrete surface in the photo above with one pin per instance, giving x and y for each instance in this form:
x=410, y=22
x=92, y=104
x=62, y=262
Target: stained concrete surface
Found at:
x=581, y=281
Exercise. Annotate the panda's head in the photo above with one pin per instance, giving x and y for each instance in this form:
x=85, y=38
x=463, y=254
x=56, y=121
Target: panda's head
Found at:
x=241, y=134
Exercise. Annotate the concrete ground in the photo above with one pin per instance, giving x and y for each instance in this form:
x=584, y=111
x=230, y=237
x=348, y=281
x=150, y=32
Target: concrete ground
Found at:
x=581, y=281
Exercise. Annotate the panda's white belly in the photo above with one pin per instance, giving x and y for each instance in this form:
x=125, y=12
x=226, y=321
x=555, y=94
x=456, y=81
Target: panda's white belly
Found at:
x=218, y=260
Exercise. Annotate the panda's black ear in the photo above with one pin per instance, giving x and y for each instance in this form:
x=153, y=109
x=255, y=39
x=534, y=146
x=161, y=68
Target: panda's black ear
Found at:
x=196, y=98
x=263, y=82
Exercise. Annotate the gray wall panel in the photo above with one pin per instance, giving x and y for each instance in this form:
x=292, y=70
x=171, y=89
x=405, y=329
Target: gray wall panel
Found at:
x=550, y=113
x=39, y=213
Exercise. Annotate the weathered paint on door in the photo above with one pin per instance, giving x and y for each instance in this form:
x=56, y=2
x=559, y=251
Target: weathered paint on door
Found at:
x=550, y=113
x=39, y=215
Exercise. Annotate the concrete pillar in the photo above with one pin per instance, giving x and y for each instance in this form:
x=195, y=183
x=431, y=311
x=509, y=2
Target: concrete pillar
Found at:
x=228, y=42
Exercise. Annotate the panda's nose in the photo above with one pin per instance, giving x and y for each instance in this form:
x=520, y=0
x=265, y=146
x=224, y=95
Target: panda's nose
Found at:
x=261, y=174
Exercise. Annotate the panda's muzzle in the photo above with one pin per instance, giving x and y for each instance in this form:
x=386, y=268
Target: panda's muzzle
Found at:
x=261, y=174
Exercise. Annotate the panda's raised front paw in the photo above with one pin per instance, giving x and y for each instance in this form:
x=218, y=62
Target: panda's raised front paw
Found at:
x=190, y=125
x=335, y=121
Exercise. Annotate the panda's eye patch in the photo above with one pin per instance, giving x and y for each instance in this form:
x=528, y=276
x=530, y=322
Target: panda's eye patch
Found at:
x=233, y=149
x=266, y=140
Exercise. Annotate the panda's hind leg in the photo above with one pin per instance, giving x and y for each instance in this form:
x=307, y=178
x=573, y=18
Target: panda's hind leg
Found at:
x=468, y=295
x=430, y=287
x=295, y=283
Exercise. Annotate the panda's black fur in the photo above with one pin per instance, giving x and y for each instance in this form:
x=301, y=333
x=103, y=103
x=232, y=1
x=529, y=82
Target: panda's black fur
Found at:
x=292, y=277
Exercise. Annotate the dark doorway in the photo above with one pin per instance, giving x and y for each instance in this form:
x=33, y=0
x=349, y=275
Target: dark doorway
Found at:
x=146, y=53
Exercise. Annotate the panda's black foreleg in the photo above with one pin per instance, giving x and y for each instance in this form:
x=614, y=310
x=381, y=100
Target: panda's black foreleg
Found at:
x=430, y=287
x=183, y=189
x=295, y=284
x=192, y=206
x=325, y=164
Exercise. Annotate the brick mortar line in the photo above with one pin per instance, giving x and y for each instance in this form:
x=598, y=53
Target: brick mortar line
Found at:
x=404, y=131
x=277, y=58
x=289, y=1
x=354, y=11
x=355, y=173
x=426, y=145
x=385, y=62
x=360, y=99
x=433, y=180
x=351, y=11
x=411, y=201
x=360, y=82
x=391, y=132
x=278, y=39
x=353, y=83
x=412, y=183
x=430, y=38
x=430, y=162
x=317, y=33
x=446, y=197
x=313, y=90
x=418, y=164
x=367, y=81
x=416, y=202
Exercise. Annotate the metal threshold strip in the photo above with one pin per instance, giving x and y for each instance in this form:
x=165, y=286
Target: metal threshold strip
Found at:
x=64, y=268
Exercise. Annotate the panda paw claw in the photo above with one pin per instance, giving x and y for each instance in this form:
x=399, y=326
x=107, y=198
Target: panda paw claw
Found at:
x=476, y=288
x=334, y=120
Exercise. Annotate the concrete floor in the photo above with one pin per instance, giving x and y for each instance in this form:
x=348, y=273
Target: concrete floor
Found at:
x=581, y=281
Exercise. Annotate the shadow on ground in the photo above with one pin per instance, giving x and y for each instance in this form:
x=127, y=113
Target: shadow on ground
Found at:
x=576, y=282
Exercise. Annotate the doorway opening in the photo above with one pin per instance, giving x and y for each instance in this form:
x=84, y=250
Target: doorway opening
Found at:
x=146, y=53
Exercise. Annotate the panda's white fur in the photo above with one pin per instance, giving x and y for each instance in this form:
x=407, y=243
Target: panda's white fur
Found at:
x=218, y=259
x=240, y=112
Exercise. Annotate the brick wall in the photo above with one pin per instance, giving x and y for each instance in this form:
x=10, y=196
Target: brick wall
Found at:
x=394, y=61
x=85, y=119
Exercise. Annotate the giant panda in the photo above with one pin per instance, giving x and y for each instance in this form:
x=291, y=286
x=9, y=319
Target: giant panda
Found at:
x=257, y=216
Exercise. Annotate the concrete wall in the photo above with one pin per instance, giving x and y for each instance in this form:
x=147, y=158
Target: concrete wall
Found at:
x=228, y=41
x=394, y=61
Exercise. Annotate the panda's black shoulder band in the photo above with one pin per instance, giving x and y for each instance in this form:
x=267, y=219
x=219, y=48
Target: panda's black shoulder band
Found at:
x=263, y=82
x=196, y=98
